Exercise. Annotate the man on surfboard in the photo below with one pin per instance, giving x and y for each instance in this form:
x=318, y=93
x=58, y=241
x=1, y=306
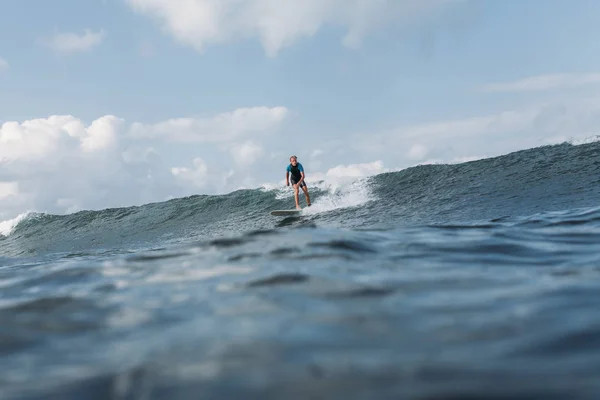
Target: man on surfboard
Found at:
x=296, y=171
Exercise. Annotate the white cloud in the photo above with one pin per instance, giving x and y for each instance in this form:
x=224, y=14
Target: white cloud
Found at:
x=221, y=128
x=39, y=139
x=473, y=126
x=62, y=164
x=101, y=134
x=488, y=135
x=279, y=23
x=445, y=133
x=246, y=153
x=543, y=82
x=3, y=64
x=8, y=189
x=197, y=175
x=201, y=176
x=70, y=42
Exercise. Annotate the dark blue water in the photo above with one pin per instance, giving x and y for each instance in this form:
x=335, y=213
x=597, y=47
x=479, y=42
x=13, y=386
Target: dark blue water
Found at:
x=471, y=281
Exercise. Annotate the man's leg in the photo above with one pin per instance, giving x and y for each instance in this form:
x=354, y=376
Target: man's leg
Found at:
x=305, y=189
x=296, y=196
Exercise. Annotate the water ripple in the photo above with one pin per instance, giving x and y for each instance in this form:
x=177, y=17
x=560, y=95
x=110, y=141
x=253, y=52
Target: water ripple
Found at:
x=497, y=309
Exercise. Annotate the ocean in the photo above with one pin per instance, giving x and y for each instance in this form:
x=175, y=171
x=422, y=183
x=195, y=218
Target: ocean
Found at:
x=477, y=280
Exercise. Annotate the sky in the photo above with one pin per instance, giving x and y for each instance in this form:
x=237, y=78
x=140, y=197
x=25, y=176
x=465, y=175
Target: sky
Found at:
x=112, y=103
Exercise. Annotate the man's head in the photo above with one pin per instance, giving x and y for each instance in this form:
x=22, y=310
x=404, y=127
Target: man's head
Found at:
x=293, y=160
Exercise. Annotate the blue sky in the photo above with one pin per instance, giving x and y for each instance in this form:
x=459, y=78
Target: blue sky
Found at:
x=415, y=82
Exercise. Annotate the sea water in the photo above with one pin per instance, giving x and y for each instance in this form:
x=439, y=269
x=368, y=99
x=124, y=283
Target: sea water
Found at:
x=478, y=280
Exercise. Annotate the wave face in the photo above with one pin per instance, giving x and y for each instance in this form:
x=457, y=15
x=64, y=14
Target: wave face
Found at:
x=472, y=280
x=549, y=178
x=561, y=177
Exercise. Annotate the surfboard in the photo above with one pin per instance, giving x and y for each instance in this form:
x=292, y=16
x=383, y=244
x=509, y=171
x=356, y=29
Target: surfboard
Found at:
x=283, y=213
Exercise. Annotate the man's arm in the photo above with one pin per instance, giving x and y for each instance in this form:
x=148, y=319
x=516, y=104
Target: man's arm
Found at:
x=287, y=178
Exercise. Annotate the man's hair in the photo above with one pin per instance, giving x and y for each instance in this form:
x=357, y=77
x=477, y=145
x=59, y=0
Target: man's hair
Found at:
x=294, y=157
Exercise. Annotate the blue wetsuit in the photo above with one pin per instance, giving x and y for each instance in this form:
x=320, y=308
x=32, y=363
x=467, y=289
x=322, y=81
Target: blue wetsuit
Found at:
x=295, y=174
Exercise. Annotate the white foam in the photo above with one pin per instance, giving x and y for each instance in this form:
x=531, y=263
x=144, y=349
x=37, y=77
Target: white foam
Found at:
x=586, y=140
x=7, y=227
x=345, y=186
x=340, y=195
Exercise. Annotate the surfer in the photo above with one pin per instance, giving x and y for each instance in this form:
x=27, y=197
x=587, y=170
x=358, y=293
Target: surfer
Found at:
x=297, y=178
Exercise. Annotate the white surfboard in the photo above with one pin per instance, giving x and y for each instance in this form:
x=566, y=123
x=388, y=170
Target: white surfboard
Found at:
x=283, y=213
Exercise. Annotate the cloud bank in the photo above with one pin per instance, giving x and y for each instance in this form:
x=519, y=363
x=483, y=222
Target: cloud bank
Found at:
x=60, y=164
x=549, y=122
x=280, y=23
